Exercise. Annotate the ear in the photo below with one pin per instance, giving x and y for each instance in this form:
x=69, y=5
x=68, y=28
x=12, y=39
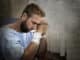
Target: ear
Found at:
x=24, y=16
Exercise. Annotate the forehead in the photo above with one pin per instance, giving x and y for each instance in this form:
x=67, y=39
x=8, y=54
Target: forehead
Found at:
x=37, y=18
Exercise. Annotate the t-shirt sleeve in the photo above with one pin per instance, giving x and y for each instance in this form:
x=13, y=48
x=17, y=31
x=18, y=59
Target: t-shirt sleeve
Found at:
x=27, y=38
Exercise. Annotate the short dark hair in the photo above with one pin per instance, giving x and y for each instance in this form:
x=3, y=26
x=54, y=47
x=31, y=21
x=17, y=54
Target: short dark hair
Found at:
x=33, y=9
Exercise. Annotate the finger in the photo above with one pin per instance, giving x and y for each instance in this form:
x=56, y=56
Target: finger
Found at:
x=44, y=22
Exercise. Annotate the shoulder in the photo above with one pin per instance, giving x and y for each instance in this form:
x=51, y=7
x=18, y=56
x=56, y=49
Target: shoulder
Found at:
x=8, y=33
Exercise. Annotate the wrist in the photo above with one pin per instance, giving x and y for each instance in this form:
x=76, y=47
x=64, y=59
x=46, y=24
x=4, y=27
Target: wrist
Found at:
x=39, y=31
x=44, y=36
x=36, y=37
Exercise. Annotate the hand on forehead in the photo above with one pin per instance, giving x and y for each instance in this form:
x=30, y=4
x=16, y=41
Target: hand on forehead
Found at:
x=38, y=19
x=44, y=21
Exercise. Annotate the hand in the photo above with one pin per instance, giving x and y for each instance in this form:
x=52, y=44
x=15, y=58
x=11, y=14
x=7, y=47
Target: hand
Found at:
x=42, y=27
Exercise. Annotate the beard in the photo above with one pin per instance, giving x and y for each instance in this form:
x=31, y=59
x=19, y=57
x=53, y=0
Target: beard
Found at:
x=23, y=27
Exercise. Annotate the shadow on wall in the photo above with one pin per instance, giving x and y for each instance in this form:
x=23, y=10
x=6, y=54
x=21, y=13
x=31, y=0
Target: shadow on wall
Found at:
x=5, y=11
x=4, y=21
x=5, y=8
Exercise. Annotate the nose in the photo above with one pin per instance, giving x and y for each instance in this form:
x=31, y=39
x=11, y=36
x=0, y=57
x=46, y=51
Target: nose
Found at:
x=35, y=26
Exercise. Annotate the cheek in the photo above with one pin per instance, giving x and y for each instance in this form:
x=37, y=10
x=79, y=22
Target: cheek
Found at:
x=35, y=27
x=29, y=24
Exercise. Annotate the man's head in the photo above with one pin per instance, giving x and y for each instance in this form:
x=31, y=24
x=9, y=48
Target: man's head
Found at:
x=31, y=17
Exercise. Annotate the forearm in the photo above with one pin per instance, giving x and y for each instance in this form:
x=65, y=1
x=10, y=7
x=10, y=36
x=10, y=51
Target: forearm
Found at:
x=43, y=45
x=30, y=51
x=42, y=48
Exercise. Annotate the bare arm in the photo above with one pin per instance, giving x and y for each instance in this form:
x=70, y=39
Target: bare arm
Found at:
x=34, y=49
x=30, y=52
x=41, y=54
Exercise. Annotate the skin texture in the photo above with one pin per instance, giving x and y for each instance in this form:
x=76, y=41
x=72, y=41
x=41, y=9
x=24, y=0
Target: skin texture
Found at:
x=33, y=51
x=41, y=54
x=30, y=23
x=26, y=24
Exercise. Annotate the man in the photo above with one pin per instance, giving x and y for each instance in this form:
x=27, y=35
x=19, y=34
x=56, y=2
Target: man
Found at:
x=25, y=39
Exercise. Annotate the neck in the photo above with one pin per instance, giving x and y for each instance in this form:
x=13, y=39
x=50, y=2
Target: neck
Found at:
x=15, y=26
